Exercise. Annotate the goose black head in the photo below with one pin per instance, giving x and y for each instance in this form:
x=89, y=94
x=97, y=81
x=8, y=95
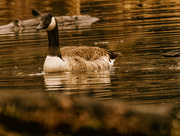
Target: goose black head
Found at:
x=47, y=22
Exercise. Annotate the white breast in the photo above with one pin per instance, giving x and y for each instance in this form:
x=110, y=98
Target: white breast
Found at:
x=55, y=64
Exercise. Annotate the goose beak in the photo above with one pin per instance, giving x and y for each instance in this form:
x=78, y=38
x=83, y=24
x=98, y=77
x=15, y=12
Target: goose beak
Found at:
x=40, y=26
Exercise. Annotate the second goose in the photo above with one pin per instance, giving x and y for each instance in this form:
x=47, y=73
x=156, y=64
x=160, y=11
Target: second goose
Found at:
x=72, y=58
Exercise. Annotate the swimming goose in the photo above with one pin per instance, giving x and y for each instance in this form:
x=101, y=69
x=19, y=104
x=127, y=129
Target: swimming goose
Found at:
x=72, y=58
x=17, y=26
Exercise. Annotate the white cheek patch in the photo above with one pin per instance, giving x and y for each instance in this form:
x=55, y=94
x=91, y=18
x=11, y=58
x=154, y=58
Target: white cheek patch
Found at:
x=51, y=25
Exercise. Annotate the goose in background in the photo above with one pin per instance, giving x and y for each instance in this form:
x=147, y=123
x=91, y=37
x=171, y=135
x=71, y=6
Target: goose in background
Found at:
x=72, y=58
x=18, y=27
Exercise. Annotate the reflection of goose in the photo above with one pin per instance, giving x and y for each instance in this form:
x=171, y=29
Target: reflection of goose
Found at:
x=77, y=80
x=72, y=58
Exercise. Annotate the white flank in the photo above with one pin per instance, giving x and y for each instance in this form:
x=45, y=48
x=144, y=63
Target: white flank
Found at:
x=51, y=25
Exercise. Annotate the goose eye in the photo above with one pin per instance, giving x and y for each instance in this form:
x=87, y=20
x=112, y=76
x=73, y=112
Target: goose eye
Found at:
x=47, y=21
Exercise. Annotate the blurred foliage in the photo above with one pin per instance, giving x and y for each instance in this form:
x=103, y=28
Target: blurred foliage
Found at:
x=40, y=114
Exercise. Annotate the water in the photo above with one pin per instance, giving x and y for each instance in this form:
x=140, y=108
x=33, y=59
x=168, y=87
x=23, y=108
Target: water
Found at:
x=141, y=31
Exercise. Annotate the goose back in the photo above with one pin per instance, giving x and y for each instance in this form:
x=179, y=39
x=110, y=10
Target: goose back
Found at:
x=85, y=52
x=87, y=58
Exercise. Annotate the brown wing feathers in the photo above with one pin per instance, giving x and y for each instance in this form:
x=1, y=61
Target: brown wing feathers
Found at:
x=88, y=53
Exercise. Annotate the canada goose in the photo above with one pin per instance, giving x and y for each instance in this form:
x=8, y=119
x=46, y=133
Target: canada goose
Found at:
x=72, y=58
x=17, y=26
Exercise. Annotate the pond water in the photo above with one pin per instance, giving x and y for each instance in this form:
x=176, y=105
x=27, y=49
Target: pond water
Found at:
x=141, y=30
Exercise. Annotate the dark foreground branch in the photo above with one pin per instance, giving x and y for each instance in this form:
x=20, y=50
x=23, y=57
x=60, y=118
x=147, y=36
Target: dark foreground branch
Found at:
x=40, y=114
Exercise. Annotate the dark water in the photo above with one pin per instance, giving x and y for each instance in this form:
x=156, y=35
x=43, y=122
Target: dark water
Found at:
x=141, y=31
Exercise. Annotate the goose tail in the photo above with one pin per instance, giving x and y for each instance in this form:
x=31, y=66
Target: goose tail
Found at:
x=113, y=54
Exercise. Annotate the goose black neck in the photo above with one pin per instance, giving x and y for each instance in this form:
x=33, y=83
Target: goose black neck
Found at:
x=53, y=37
